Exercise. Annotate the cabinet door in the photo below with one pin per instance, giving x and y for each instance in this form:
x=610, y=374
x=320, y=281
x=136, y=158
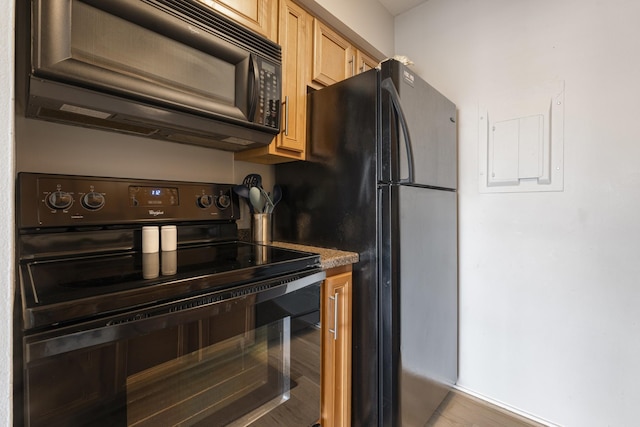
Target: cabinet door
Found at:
x=259, y=15
x=292, y=37
x=364, y=62
x=336, y=351
x=333, y=56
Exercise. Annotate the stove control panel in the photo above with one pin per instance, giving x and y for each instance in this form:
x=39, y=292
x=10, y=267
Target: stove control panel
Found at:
x=46, y=200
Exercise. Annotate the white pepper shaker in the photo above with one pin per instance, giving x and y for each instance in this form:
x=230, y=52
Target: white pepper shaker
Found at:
x=169, y=238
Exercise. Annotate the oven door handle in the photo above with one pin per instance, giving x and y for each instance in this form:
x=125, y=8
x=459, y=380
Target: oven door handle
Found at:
x=150, y=319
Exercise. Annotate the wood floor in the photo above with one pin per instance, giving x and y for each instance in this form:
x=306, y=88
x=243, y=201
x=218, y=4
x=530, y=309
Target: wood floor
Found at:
x=457, y=410
x=462, y=410
x=303, y=408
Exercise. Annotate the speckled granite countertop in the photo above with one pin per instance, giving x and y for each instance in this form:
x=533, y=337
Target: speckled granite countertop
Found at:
x=329, y=258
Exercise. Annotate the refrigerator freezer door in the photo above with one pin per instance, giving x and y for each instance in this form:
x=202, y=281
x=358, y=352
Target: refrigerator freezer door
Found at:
x=408, y=176
x=431, y=120
x=418, y=303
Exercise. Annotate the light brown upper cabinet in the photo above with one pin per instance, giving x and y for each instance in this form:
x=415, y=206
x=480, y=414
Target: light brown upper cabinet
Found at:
x=290, y=144
x=333, y=56
x=259, y=15
x=364, y=62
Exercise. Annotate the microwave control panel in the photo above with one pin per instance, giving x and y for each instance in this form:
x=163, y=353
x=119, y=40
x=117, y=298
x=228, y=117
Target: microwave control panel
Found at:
x=268, y=111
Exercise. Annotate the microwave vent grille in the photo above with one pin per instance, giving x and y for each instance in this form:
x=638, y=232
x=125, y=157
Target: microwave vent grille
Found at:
x=92, y=122
x=207, y=20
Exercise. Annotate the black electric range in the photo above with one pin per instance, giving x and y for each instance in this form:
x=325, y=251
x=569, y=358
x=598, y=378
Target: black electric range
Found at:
x=80, y=250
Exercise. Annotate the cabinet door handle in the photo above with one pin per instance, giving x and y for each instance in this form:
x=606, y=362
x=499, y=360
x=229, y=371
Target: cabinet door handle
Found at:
x=334, y=331
x=286, y=115
x=353, y=66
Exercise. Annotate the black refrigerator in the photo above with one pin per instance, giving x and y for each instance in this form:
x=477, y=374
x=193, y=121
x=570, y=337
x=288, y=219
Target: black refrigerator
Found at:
x=381, y=181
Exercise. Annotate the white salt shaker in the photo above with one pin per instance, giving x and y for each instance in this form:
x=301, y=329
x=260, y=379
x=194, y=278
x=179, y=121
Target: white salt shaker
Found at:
x=150, y=240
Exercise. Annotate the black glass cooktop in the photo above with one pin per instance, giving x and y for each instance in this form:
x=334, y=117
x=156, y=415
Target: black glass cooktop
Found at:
x=165, y=275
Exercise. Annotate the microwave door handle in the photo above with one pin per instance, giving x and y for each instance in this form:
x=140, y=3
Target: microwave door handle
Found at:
x=387, y=84
x=254, y=85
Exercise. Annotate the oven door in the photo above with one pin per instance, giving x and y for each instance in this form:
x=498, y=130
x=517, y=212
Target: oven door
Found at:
x=245, y=356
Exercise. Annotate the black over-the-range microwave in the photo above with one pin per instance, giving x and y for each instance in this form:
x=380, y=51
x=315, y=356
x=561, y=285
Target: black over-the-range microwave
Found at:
x=169, y=69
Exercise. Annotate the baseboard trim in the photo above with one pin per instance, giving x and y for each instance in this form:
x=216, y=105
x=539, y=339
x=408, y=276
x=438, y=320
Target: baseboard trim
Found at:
x=504, y=406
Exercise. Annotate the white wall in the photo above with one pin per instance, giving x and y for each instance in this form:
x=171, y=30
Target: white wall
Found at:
x=363, y=21
x=549, y=294
x=54, y=148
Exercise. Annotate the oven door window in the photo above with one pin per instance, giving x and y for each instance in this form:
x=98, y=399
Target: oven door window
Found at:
x=242, y=361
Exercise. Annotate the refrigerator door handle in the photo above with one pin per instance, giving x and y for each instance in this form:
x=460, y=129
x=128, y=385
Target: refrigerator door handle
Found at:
x=387, y=84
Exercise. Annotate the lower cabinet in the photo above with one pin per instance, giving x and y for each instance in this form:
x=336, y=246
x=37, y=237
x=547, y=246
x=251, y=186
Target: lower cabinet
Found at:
x=336, y=348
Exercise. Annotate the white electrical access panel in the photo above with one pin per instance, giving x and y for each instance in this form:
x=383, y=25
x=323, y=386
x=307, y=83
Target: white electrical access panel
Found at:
x=521, y=141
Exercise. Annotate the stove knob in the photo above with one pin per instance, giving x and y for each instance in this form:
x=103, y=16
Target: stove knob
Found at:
x=223, y=201
x=59, y=200
x=93, y=201
x=205, y=201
